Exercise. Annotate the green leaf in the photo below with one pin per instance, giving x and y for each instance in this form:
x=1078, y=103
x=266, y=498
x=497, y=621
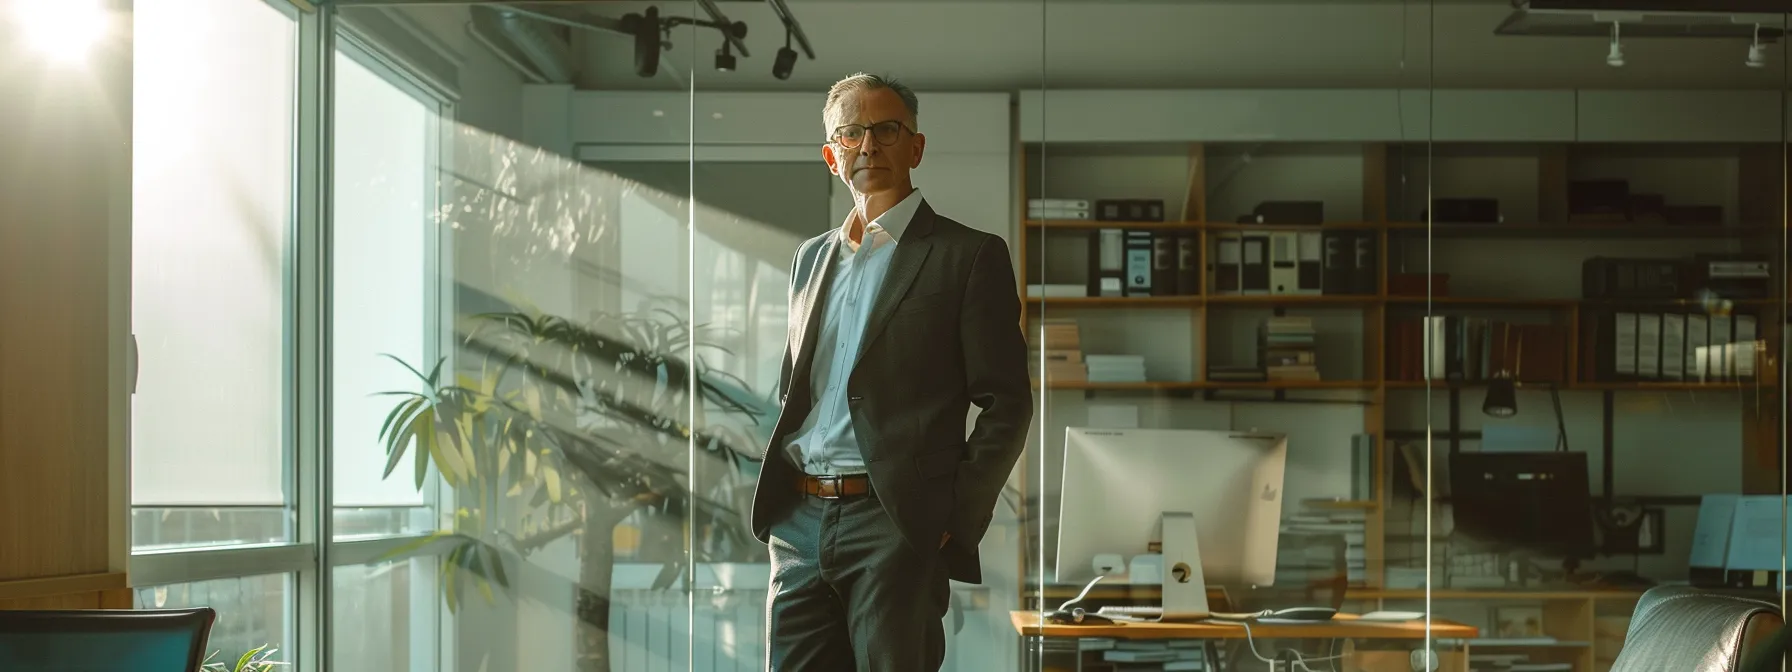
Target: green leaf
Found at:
x=435, y=374
x=450, y=578
x=424, y=427
x=240, y=662
x=412, y=547
x=400, y=438
x=551, y=476
x=412, y=369
x=495, y=560
x=387, y=425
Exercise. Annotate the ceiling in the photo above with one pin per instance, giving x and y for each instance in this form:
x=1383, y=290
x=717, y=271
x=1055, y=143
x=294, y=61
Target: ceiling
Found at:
x=1016, y=44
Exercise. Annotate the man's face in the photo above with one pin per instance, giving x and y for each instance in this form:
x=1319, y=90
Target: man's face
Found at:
x=874, y=145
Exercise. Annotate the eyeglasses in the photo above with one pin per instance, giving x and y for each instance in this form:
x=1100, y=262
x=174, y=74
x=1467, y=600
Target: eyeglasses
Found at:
x=851, y=136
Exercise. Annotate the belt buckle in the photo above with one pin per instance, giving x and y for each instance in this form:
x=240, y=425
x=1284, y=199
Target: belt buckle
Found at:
x=822, y=483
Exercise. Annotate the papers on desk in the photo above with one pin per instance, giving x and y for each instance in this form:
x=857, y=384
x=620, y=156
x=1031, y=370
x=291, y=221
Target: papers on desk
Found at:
x=1174, y=654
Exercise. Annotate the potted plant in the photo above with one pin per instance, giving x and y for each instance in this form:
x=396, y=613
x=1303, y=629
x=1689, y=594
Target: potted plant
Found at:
x=567, y=429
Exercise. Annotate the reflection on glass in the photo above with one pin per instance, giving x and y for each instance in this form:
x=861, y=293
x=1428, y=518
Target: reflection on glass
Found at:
x=254, y=613
x=385, y=288
x=210, y=215
x=387, y=618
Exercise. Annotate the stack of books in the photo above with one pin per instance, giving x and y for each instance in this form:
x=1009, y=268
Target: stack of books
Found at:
x=1115, y=368
x=1057, y=208
x=1152, y=655
x=1286, y=344
x=1062, y=343
x=1350, y=524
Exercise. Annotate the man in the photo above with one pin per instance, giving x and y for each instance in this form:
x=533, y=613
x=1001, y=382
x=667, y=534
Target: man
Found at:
x=871, y=496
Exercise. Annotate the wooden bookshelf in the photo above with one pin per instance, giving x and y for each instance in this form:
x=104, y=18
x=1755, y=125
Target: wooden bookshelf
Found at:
x=1570, y=614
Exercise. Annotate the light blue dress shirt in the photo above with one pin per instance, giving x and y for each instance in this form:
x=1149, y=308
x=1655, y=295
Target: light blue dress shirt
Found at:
x=824, y=445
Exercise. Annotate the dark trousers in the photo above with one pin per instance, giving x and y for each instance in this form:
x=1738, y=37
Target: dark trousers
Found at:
x=848, y=592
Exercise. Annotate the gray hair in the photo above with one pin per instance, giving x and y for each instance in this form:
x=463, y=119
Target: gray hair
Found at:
x=861, y=81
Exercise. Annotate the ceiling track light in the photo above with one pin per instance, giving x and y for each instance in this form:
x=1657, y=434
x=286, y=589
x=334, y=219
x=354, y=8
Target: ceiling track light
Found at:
x=1757, y=52
x=1615, y=57
x=786, y=60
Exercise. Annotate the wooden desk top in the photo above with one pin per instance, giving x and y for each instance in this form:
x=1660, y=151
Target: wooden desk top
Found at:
x=1344, y=626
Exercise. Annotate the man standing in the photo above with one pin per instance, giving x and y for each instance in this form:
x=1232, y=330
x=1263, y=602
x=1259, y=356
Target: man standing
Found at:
x=871, y=496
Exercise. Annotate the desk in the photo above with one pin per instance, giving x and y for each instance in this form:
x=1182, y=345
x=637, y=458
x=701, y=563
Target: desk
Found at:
x=1344, y=626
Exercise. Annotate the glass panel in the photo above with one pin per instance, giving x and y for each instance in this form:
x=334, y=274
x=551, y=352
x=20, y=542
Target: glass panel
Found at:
x=211, y=220
x=387, y=617
x=1206, y=191
x=559, y=425
x=387, y=293
x=1611, y=241
x=915, y=329
x=255, y=613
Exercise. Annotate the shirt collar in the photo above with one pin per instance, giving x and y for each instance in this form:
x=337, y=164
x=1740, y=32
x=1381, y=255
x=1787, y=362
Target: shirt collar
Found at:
x=894, y=221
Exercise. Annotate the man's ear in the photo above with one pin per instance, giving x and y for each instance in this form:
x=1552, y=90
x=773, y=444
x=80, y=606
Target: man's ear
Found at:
x=920, y=147
x=832, y=159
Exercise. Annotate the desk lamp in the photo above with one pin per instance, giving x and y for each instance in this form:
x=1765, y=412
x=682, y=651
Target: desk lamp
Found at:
x=1502, y=394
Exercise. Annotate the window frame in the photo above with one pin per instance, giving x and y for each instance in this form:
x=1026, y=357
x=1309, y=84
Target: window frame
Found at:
x=312, y=554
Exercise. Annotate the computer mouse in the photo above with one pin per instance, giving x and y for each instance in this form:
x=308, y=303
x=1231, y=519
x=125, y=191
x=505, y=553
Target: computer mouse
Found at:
x=1303, y=614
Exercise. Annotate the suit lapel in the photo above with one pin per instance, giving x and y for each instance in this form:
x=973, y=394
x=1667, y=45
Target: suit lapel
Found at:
x=905, y=266
x=815, y=291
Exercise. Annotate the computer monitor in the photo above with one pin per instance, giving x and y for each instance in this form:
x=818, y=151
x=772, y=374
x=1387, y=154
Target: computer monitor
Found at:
x=1213, y=498
x=1535, y=503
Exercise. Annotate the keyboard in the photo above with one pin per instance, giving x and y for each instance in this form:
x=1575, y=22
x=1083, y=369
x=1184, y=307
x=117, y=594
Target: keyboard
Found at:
x=1135, y=612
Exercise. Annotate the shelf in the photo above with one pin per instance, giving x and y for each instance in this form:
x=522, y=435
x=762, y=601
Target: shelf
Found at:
x=1618, y=230
x=1483, y=301
x=1292, y=299
x=1214, y=385
x=1083, y=302
x=1529, y=594
x=1672, y=386
x=1328, y=226
x=1087, y=224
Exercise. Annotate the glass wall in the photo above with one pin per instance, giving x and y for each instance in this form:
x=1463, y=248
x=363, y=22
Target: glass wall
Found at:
x=1463, y=313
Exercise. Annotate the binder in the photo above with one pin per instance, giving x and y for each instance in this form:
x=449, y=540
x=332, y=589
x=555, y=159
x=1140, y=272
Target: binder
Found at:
x=1745, y=350
x=1624, y=345
x=1228, y=265
x=1107, y=263
x=1365, y=266
x=1256, y=263
x=1698, y=340
x=1188, y=264
x=1312, y=262
x=1339, y=256
x=1648, y=346
x=1163, y=264
x=1284, y=262
x=1138, y=262
x=1717, y=351
x=1673, y=346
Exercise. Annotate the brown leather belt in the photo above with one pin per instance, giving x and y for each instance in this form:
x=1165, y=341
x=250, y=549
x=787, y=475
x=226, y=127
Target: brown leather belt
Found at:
x=834, y=487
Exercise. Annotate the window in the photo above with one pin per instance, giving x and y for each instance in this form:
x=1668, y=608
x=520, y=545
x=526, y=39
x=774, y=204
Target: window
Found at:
x=383, y=268
x=253, y=612
x=212, y=208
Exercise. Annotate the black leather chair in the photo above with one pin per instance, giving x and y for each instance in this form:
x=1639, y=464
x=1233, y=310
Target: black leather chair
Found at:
x=104, y=640
x=1680, y=629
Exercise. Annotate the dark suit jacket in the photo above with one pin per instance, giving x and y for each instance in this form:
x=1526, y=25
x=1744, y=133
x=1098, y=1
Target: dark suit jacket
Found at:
x=944, y=333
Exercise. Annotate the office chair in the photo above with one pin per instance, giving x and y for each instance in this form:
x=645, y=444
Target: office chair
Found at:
x=104, y=640
x=1681, y=629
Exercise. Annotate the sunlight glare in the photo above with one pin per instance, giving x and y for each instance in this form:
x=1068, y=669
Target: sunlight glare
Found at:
x=64, y=30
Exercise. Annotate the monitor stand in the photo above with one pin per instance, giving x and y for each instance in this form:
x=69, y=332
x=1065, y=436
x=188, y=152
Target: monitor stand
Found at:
x=1185, y=585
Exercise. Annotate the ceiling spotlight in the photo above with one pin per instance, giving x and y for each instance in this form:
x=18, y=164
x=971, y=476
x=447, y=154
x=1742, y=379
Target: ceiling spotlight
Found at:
x=724, y=58
x=1615, y=57
x=786, y=60
x=1757, y=53
x=647, y=31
